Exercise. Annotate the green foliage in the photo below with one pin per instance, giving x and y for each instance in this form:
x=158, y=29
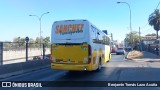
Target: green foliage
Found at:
x=6, y=45
x=46, y=41
x=153, y=34
x=20, y=42
x=154, y=19
x=134, y=36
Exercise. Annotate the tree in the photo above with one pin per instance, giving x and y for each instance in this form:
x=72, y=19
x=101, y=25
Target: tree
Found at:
x=154, y=20
x=6, y=45
x=32, y=43
x=134, y=36
x=153, y=34
x=37, y=42
x=46, y=41
x=18, y=42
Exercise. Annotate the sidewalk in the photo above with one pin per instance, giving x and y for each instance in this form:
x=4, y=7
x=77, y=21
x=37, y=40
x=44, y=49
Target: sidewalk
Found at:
x=149, y=57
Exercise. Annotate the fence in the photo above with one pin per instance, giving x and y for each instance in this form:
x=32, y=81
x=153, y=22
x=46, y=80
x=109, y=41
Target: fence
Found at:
x=15, y=52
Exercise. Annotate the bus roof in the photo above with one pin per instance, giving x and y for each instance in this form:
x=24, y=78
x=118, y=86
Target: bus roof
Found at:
x=71, y=20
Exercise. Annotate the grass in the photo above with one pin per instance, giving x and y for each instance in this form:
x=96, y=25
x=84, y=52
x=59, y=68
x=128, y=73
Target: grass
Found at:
x=135, y=55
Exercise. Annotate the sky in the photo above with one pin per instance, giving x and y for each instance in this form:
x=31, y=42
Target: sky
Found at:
x=104, y=14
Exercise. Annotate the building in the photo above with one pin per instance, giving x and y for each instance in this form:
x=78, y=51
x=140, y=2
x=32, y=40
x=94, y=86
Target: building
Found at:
x=147, y=42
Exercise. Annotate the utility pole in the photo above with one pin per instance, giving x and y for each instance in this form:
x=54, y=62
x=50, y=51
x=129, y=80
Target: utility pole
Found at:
x=111, y=44
x=27, y=40
x=1, y=53
x=40, y=37
x=140, y=47
x=111, y=37
x=130, y=22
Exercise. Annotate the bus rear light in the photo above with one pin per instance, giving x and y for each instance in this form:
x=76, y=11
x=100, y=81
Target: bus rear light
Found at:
x=58, y=60
x=52, y=59
x=89, y=60
x=89, y=53
x=89, y=50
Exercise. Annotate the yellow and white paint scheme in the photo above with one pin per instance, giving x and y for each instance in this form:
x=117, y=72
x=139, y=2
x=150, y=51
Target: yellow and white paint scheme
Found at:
x=78, y=45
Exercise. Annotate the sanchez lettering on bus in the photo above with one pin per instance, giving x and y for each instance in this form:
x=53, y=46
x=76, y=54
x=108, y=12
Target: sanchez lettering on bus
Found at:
x=69, y=28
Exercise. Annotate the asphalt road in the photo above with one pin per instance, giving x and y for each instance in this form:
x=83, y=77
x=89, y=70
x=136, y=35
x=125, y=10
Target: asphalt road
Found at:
x=118, y=69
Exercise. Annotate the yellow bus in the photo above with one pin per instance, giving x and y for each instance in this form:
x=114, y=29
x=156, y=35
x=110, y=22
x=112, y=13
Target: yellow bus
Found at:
x=78, y=45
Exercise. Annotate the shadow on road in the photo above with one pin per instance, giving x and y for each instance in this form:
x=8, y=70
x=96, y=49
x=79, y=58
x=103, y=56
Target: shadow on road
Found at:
x=136, y=73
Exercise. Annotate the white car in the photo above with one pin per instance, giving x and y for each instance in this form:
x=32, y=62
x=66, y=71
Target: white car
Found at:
x=120, y=51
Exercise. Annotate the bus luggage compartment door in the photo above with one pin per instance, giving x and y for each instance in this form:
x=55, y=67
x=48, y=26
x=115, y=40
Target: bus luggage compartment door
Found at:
x=70, y=53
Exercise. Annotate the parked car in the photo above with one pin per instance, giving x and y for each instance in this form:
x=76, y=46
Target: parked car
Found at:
x=37, y=58
x=41, y=57
x=128, y=49
x=120, y=51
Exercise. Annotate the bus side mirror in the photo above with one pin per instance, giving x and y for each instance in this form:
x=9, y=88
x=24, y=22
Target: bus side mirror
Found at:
x=98, y=33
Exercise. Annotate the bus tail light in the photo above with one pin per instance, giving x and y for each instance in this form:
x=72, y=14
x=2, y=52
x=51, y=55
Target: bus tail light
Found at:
x=89, y=54
x=52, y=59
x=89, y=60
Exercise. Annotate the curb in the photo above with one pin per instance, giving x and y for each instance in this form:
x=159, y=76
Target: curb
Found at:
x=145, y=60
x=126, y=56
x=142, y=59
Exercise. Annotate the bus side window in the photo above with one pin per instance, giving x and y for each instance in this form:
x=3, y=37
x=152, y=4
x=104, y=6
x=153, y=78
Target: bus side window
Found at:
x=106, y=40
x=96, y=38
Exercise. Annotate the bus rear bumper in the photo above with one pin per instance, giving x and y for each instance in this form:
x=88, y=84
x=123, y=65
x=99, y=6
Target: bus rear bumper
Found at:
x=72, y=67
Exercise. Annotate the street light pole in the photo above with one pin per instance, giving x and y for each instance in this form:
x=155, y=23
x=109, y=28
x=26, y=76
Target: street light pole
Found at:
x=39, y=18
x=130, y=23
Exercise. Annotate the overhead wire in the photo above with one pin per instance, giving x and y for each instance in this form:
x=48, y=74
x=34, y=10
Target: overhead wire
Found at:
x=157, y=5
